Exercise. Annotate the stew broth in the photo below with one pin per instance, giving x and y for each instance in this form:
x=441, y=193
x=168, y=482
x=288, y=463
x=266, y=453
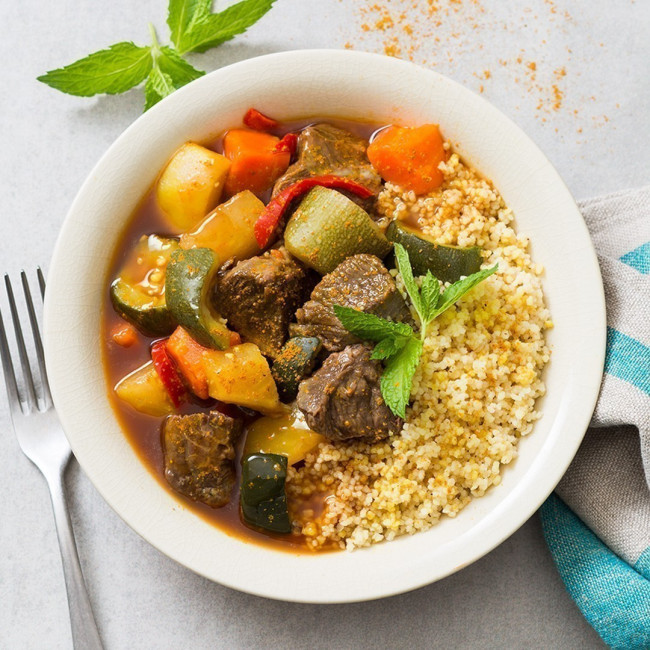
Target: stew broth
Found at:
x=143, y=431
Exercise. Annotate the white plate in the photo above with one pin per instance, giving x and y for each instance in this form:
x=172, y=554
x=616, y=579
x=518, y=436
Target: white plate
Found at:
x=358, y=86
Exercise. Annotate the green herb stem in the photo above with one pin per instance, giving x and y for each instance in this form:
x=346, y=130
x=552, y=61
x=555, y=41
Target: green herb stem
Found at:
x=122, y=66
x=155, y=45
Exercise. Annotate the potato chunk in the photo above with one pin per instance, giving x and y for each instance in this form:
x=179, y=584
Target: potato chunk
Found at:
x=287, y=435
x=191, y=184
x=144, y=391
x=241, y=375
x=229, y=229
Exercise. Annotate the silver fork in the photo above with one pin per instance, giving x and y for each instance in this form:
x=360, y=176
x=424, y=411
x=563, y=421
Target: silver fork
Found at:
x=42, y=440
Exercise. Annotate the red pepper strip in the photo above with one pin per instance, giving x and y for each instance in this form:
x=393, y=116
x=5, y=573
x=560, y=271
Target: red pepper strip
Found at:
x=270, y=218
x=288, y=144
x=167, y=373
x=258, y=121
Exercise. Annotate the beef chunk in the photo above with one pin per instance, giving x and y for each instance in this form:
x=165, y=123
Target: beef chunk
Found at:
x=343, y=401
x=259, y=297
x=361, y=282
x=326, y=149
x=199, y=455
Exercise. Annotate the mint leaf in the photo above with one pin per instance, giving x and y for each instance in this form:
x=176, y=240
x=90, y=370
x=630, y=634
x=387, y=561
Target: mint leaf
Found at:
x=212, y=29
x=429, y=292
x=397, y=379
x=158, y=86
x=368, y=326
x=180, y=71
x=111, y=71
x=428, y=301
x=387, y=347
x=458, y=289
x=168, y=73
x=405, y=270
x=181, y=16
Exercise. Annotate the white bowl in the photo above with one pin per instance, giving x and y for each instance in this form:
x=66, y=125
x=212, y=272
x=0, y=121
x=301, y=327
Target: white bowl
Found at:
x=358, y=86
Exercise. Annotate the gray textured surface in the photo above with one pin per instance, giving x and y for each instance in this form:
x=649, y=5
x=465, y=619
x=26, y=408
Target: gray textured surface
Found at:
x=599, y=141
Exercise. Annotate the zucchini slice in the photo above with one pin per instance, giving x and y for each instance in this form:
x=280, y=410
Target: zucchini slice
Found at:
x=262, y=495
x=327, y=227
x=296, y=360
x=188, y=285
x=138, y=292
x=447, y=263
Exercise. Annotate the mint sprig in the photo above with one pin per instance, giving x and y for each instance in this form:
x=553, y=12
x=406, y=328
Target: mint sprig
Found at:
x=428, y=301
x=396, y=343
x=110, y=71
x=120, y=67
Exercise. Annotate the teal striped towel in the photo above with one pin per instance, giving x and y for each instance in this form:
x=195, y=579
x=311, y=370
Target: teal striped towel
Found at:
x=597, y=523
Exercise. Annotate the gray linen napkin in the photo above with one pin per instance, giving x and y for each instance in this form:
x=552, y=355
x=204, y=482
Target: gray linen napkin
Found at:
x=603, y=554
x=607, y=475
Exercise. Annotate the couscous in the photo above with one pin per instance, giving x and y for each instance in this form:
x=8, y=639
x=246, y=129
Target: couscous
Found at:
x=473, y=394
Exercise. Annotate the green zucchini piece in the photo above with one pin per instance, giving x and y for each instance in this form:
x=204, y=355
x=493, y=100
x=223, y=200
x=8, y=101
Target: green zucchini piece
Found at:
x=447, y=263
x=296, y=360
x=327, y=227
x=138, y=292
x=188, y=286
x=263, y=498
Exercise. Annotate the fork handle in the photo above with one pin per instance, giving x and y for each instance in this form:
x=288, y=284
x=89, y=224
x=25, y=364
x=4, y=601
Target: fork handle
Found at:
x=85, y=635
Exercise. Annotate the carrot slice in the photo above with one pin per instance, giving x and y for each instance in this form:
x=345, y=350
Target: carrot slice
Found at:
x=409, y=157
x=188, y=357
x=256, y=163
x=125, y=335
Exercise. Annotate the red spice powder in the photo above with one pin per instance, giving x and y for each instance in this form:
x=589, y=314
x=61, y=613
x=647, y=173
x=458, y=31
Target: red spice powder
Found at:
x=446, y=34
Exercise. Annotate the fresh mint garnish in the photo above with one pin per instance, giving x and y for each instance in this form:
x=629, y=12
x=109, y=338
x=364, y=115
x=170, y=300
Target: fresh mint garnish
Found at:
x=396, y=343
x=397, y=378
x=182, y=15
x=206, y=30
x=120, y=67
x=386, y=348
x=369, y=326
x=428, y=301
x=454, y=292
x=429, y=294
x=111, y=71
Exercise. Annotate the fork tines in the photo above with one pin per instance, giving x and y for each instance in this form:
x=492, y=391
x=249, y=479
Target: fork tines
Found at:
x=35, y=395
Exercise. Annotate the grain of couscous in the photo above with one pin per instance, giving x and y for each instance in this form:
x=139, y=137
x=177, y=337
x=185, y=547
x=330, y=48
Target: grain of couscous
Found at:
x=473, y=394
